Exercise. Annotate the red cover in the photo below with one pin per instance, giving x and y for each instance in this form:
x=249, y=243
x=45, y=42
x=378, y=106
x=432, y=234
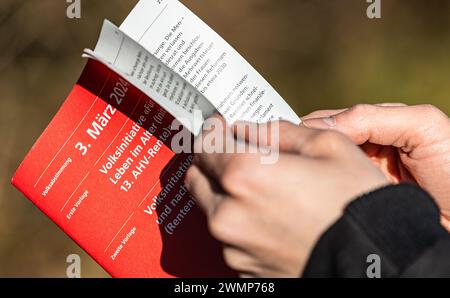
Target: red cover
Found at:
x=103, y=171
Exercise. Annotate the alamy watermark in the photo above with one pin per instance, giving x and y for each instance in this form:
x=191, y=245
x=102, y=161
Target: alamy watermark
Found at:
x=74, y=268
x=374, y=9
x=218, y=137
x=73, y=10
x=374, y=268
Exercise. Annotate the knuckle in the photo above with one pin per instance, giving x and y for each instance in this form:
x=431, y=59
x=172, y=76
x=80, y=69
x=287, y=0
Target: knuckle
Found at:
x=332, y=140
x=428, y=108
x=221, y=224
x=329, y=136
x=230, y=258
x=236, y=260
x=432, y=111
x=358, y=115
x=362, y=109
x=217, y=227
x=434, y=119
x=188, y=178
x=236, y=173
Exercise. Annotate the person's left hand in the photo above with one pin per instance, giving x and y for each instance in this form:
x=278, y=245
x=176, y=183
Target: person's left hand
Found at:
x=269, y=217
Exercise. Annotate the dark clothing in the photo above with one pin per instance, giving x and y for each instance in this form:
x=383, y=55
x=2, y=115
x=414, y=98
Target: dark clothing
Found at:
x=400, y=224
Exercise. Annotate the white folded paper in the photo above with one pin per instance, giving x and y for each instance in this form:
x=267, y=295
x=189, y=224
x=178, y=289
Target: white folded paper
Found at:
x=171, y=55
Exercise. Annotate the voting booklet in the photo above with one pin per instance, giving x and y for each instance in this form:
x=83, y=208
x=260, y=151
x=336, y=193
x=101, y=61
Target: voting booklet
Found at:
x=104, y=170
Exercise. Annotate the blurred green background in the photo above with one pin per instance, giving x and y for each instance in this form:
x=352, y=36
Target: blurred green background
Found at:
x=317, y=54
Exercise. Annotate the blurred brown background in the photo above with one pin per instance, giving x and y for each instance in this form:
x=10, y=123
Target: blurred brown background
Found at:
x=317, y=54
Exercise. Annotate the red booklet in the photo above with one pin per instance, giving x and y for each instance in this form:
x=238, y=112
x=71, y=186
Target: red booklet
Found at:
x=104, y=172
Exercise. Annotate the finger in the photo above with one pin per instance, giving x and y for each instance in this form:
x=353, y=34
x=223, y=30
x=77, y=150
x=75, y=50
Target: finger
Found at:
x=322, y=114
x=277, y=135
x=239, y=260
x=399, y=126
x=212, y=145
x=328, y=113
x=201, y=189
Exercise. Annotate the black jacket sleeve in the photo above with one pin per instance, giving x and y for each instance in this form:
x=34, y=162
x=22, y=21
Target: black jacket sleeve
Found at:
x=399, y=225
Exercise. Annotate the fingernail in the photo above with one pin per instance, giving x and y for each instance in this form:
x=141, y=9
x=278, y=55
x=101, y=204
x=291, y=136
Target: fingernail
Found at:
x=321, y=123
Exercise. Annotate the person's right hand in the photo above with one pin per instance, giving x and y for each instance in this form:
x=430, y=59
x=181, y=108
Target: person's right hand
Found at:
x=408, y=143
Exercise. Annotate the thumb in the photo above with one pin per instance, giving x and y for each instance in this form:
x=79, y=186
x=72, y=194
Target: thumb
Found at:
x=285, y=136
x=405, y=127
x=281, y=134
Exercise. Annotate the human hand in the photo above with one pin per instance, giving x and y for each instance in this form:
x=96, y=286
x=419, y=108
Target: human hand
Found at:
x=408, y=143
x=269, y=217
